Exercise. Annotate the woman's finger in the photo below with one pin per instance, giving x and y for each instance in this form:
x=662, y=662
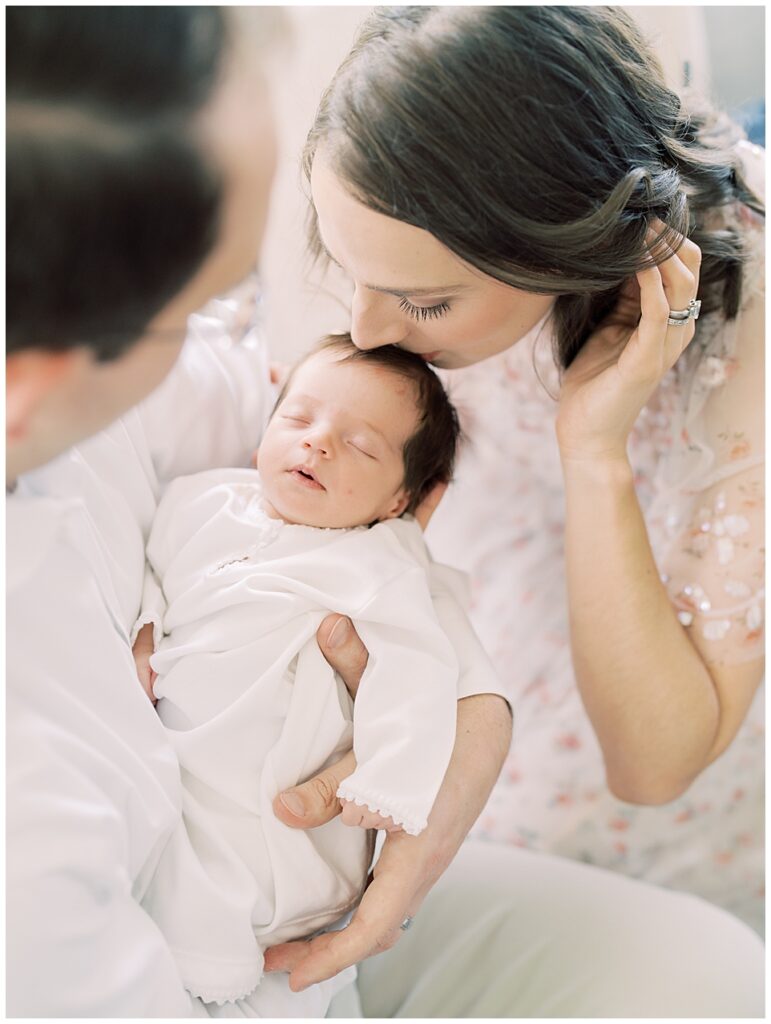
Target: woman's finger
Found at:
x=655, y=346
x=680, y=270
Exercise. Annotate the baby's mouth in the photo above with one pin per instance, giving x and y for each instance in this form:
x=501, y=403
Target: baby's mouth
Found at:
x=306, y=477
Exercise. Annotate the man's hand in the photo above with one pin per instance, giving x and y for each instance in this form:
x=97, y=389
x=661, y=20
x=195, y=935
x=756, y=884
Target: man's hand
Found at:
x=142, y=650
x=408, y=866
x=403, y=875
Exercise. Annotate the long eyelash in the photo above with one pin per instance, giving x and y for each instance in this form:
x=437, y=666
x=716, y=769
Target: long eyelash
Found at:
x=423, y=312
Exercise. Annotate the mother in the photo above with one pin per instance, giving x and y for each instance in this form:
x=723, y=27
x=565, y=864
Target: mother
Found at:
x=489, y=176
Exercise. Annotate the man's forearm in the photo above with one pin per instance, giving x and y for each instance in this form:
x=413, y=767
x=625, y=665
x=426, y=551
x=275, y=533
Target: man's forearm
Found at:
x=482, y=740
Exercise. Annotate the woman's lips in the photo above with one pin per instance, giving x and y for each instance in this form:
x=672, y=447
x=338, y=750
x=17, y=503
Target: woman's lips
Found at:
x=430, y=357
x=304, y=476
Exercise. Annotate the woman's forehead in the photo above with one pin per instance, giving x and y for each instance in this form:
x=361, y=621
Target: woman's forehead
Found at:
x=380, y=252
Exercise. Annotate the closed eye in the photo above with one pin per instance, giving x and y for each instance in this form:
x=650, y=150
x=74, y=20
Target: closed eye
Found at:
x=296, y=419
x=423, y=312
x=363, y=451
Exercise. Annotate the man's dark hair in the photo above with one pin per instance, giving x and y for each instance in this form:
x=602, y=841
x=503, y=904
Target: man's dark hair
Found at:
x=429, y=454
x=112, y=204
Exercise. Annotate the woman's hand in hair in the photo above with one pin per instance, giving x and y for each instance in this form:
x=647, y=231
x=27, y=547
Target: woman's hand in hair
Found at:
x=619, y=368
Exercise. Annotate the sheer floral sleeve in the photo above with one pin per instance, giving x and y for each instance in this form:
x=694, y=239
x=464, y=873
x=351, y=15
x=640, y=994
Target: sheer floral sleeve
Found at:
x=706, y=513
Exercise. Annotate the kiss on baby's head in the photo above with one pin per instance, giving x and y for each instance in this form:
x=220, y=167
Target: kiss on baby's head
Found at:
x=356, y=437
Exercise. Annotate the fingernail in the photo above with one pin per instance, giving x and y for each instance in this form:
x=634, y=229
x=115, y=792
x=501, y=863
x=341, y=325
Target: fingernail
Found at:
x=340, y=633
x=293, y=803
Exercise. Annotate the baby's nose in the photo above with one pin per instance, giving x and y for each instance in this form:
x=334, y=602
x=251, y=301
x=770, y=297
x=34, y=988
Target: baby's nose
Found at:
x=317, y=443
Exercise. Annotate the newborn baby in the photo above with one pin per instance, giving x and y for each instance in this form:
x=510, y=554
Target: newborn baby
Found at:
x=249, y=564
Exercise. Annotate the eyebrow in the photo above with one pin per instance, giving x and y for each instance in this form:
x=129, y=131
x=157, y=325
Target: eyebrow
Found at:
x=399, y=292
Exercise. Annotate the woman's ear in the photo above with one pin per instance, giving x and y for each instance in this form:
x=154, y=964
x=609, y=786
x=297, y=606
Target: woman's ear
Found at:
x=254, y=458
x=31, y=376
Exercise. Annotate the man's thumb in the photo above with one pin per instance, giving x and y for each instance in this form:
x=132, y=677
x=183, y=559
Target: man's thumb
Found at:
x=314, y=802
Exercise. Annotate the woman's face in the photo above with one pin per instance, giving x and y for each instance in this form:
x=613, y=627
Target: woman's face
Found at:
x=412, y=291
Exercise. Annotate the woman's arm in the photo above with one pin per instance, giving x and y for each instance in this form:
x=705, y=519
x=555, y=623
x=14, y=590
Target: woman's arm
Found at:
x=660, y=711
x=664, y=690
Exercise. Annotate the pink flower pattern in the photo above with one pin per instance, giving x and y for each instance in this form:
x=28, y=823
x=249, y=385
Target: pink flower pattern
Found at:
x=503, y=522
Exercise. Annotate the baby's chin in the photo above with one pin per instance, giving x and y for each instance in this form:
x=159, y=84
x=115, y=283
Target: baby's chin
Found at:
x=298, y=513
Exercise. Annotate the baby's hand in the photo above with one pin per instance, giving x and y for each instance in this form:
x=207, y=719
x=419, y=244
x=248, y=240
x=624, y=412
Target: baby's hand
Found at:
x=142, y=650
x=354, y=814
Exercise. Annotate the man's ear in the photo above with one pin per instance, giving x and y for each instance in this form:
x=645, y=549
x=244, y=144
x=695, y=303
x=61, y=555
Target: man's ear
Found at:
x=399, y=503
x=30, y=377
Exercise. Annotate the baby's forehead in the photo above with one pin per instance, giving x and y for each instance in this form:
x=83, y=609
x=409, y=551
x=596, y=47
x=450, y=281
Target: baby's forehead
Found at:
x=323, y=367
x=380, y=395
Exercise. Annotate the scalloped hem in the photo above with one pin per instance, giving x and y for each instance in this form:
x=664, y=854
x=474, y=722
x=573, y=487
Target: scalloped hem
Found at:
x=223, y=981
x=412, y=826
x=221, y=995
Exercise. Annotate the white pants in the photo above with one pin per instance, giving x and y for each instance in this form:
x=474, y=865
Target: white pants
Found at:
x=510, y=933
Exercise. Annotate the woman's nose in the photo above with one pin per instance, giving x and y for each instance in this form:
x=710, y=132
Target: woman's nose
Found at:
x=372, y=323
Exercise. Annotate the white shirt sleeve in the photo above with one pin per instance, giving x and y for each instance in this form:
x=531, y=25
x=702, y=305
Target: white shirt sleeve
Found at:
x=212, y=408
x=449, y=591
x=79, y=943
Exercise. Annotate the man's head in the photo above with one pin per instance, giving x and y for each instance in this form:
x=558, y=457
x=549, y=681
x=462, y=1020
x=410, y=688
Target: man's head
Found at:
x=140, y=151
x=357, y=437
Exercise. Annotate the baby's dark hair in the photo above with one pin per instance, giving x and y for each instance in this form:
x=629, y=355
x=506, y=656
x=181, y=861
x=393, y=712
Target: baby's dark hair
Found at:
x=429, y=455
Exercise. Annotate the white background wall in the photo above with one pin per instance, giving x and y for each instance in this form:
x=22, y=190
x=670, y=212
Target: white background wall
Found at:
x=722, y=45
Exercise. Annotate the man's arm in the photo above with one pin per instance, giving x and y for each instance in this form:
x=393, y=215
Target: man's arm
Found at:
x=79, y=944
x=408, y=866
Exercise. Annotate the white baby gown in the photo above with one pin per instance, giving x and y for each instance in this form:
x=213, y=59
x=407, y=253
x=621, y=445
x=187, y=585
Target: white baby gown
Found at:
x=252, y=708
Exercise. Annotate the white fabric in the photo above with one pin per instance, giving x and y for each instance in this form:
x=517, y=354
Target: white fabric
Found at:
x=93, y=788
x=254, y=708
x=513, y=934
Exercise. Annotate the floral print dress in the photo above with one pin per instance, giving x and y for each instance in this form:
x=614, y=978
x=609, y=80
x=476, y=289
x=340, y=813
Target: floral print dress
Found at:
x=697, y=455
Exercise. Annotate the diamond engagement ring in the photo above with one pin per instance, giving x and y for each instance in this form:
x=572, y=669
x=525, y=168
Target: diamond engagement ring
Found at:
x=679, y=317
x=406, y=924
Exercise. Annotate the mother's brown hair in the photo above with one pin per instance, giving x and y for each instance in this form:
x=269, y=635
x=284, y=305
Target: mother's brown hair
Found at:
x=538, y=144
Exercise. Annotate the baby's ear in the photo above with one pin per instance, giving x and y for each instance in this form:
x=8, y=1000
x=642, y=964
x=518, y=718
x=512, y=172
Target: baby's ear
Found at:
x=398, y=505
x=254, y=458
